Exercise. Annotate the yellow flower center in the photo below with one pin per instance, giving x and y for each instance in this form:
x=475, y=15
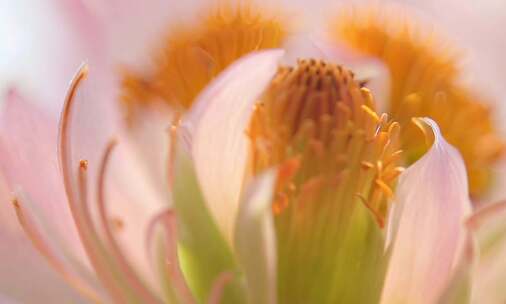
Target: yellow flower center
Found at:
x=319, y=124
x=424, y=82
x=193, y=54
x=336, y=155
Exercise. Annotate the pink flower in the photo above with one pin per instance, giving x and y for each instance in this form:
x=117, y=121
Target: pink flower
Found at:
x=276, y=183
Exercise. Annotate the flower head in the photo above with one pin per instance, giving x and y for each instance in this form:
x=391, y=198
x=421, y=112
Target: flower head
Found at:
x=283, y=182
x=425, y=81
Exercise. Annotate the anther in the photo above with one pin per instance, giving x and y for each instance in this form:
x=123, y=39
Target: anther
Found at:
x=83, y=164
x=367, y=165
x=384, y=187
x=371, y=113
x=15, y=203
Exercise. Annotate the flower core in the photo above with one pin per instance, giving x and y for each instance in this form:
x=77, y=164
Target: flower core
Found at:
x=316, y=120
x=338, y=162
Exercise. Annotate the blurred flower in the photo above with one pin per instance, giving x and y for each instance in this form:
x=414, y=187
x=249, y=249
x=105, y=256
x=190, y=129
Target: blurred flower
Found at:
x=425, y=81
x=241, y=176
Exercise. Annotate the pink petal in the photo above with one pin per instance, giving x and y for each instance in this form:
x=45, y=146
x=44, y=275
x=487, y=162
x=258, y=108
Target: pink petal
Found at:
x=28, y=160
x=17, y=255
x=216, y=132
x=426, y=229
x=131, y=29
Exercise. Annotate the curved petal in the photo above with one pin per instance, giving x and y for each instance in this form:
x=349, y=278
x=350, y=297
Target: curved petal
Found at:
x=23, y=130
x=427, y=232
x=255, y=240
x=216, y=128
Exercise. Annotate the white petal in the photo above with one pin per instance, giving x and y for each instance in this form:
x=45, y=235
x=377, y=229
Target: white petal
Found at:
x=427, y=229
x=216, y=128
x=255, y=240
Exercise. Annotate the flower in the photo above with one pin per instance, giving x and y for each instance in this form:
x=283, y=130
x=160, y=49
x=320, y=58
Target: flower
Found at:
x=414, y=59
x=278, y=181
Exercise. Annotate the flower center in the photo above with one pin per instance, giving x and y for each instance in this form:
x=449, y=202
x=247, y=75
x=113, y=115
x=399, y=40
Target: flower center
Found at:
x=338, y=163
x=319, y=124
x=425, y=82
x=193, y=54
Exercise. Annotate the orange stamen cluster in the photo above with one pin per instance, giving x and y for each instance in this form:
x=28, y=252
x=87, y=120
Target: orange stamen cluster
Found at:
x=337, y=161
x=319, y=125
x=194, y=54
x=425, y=82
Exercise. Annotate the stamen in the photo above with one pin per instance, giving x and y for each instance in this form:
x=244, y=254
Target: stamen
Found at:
x=170, y=269
x=116, y=252
x=317, y=114
x=367, y=165
x=379, y=218
x=371, y=113
x=172, y=149
x=90, y=239
x=78, y=200
x=384, y=188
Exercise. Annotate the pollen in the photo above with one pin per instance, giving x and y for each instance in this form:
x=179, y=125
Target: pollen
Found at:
x=193, y=54
x=425, y=81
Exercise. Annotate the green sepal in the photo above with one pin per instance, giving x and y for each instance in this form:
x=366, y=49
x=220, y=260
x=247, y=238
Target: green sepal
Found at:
x=204, y=253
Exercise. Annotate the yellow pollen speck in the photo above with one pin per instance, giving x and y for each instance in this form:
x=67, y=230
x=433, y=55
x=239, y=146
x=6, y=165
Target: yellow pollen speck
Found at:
x=193, y=54
x=425, y=82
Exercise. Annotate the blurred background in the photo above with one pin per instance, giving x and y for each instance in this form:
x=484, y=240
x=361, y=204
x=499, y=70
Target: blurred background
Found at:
x=42, y=42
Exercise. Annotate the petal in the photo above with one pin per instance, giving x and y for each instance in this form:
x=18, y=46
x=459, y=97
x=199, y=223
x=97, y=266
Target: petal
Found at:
x=216, y=129
x=427, y=232
x=131, y=28
x=18, y=254
x=255, y=240
x=458, y=289
x=489, y=226
x=23, y=130
x=64, y=34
